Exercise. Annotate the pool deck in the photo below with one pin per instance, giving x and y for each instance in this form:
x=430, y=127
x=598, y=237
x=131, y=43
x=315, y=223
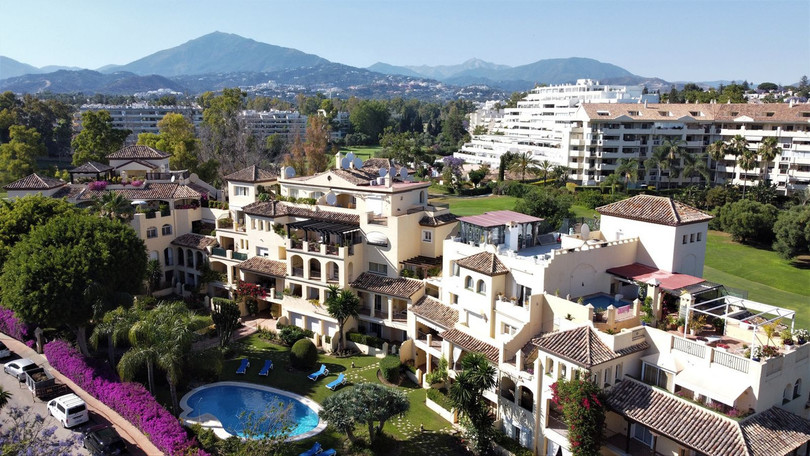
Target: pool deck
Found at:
x=208, y=421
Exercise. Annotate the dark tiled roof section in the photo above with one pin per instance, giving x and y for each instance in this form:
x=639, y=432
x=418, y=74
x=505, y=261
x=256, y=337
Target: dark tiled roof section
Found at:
x=91, y=167
x=655, y=209
x=394, y=286
x=35, y=182
x=264, y=266
x=485, y=263
x=582, y=346
x=356, y=176
x=252, y=174
x=278, y=209
x=150, y=190
x=677, y=419
x=70, y=191
x=136, y=153
x=432, y=309
x=471, y=344
x=422, y=260
x=775, y=432
x=438, y=220
x=194, y=241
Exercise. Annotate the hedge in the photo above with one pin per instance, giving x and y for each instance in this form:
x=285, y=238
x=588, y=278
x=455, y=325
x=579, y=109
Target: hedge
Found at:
x=511, y=445
x=131, y=400
x=390, y=367
x=364, y=339
x=14, y=327
x=442, y=399
x=290, y=334
x=475, y=191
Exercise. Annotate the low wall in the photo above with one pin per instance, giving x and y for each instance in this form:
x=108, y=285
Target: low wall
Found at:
x=441, y=411
x=366, y=350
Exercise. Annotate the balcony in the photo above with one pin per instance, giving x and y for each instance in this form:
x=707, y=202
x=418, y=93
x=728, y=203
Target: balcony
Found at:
x=218, y=251
x=317, y=248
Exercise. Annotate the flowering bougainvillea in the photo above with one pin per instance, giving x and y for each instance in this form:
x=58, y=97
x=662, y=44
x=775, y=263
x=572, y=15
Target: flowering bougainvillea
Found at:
x=97, y=185
x=131, y=400
x=13, y=326
x=582, y=406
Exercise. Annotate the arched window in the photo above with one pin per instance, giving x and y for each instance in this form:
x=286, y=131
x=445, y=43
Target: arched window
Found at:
x=422, y=197
x=181, y=257
x=151, y=232
x=468, y=283
x=787, y=395
x=168, y=256
x=166, y=230
x=481, y=287
x=797, y=389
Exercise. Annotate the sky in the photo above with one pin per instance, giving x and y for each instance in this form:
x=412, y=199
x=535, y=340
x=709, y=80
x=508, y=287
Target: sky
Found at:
x=686, y=40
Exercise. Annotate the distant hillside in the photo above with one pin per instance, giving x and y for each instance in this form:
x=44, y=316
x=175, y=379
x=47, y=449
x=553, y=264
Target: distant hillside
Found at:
x=219, y=53
x=10, y=68
x=385, y=68
x=471, y=66
x=87, y=81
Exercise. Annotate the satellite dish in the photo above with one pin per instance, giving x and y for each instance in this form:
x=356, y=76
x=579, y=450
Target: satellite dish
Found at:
x=358, y=163
x=585, y=231
x=403, y=173
x=172, y=179
x=392, y=172
x=345, y=162
x=289, y=172
x=331, y=199
x=350, y=156
x=383, y=172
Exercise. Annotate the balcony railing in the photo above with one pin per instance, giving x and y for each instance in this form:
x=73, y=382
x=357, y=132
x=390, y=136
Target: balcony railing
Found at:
x=240, y=256
x=689, y=347
x=218, y=251
x=298, y=272
x=732, y=361
x=313, y=247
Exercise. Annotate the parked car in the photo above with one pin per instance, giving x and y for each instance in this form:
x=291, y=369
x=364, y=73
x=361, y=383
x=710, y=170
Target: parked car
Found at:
x=70, y=410
x=4, y=351
x=103, y=440
x=18, y=367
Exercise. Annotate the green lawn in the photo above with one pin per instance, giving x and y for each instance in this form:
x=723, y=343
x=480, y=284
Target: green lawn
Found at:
x=363, y=152
x=474, y=205
x=405, y=441
x=762, y=273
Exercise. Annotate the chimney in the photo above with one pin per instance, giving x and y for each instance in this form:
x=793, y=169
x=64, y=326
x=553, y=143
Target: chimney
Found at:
x=338, y=158
x=645, y=103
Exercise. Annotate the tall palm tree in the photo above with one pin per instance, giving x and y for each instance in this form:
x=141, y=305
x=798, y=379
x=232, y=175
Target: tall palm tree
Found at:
x=545, y=166
x=114, y=206
x=611, y=181
x=674, y=149
x=342, y=305
x=694, y=165
x=560, y=173
x=628, y=169
x=658, y=160
x=523, y=163
x=115, y=326
x=768, y=150
x=477, y=375
x=748, y=160
x=717, y=151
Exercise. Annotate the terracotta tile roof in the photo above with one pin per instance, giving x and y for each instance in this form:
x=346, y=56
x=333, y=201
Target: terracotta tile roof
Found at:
x=422, y=260
x=655, y=209
x=485, y=263
x=361, y=176
x=775, y=432
x=194, y=241
x=393, y=286
x=438, y=220
x=769, y=112
x=35, y=182
x=581, y=346
x=252, y=174
x=671, y=281
x=136, y=153
x=70, y=191
x=471, y=344
x=186, y=191
x=91, y=167
x=677, y=419
x=278, y=209
x=432, y=309
x=264, y=266
x=150, y=190
x=498, y=218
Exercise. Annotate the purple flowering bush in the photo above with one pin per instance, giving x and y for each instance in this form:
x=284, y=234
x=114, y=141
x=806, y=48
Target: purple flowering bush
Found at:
x=131, y=400
x=97, y=185
x=11, y=325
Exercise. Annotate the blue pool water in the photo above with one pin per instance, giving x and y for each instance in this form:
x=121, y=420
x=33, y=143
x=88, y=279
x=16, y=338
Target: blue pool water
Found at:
x=602, y=301
x=230, y=404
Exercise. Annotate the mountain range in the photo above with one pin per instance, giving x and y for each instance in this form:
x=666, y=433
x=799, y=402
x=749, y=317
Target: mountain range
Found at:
x=221, y=60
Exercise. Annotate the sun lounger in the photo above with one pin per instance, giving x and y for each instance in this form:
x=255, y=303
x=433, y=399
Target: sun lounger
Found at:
x=329, y=452
x=268, y=364
x=312, y=451
x=243, y=366
x=322, y=371
x=341, y=380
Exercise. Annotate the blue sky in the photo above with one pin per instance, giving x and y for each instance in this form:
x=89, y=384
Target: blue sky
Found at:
x=684, y=40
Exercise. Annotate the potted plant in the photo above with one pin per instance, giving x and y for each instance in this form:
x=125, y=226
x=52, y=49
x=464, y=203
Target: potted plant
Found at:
x=787, y=337
x=646, y=320
x=770, y=351
x=680, y=322
x=801, y=336
x=696, y=324
x=756, y=354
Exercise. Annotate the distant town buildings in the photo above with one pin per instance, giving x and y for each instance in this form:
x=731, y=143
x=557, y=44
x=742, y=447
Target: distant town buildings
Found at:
x=140, y=117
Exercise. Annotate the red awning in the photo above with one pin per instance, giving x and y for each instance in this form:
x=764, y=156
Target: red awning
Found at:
x=642, y=273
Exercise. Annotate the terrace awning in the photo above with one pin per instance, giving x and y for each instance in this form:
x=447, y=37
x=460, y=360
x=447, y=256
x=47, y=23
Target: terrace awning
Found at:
x=703, y=380
x=669, y=281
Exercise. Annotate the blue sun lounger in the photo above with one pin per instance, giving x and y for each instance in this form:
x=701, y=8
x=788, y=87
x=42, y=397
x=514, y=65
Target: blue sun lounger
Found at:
x=322, y=371
x=312, y=451
x=329, y=452
x=243, y=367
x=341, y=380
x=268, y=364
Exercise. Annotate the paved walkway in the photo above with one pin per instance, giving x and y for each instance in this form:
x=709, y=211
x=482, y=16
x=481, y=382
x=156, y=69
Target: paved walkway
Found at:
x=249, y=326
x=139, y=444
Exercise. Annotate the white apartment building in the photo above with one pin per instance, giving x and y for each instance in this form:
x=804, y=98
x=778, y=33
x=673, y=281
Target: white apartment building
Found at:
x=489, y=115
x=286, y=124
x=140, y=117
x=540, y=123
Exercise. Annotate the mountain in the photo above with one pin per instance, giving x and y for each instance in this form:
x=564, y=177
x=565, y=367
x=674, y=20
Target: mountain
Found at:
x=87, y=81
x=385, y=68
x=10, y=68
x=218, y=53
x=442, y=72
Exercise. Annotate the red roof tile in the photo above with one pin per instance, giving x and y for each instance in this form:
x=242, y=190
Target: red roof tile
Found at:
x=471, y=344
x=485, y=263
x=393, y=286
x=136, y=152
x=581, y=346
x=432, y=309
x=498, y=218
x=775, y=432
x=655, y=209
x=264, y=266
x=252, y=174
x=35, y=182
x=194, y=241
x=642, y=273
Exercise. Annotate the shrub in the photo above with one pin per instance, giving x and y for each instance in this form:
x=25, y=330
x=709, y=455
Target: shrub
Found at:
x=440, y=398
x=292, y=334
x=11, y=325
x=303, y=354
x=131, y=400
x=511, y=445
x=390, y=367
x=364, y=339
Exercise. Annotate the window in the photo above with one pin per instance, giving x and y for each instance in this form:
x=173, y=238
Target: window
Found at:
x=240, y=190
x=563, y=370
x=692, y=237
x=454, y=298
x=166, y=230
x=508, y=329
x=699, y=237
x=151, y=232
x=468, y=283
x=654, y=376
x=797, y=389
x=378, y=303
x=618, y=373
x=684, y=239
x=262, y=251
x=481, y=287
x=642, y=434
x=595, y=375
x=427, y=236
x=607, y=376
x=456, y=269
x=378, y=268
x=633, y=113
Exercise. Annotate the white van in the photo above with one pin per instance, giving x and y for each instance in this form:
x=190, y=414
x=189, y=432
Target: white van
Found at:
x=70, y=410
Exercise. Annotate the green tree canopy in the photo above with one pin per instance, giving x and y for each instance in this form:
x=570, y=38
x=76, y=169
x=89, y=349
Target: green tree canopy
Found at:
x=18, y=156
x=477, y=375
x=177, y=138
x=792, y=232
x=370, y=117
x=547, y=203
x=97, y=139
x=583, y=406
x=748, y=221
x=371, y=404
x=19, y=217
x=69, y=269
x=342, y=305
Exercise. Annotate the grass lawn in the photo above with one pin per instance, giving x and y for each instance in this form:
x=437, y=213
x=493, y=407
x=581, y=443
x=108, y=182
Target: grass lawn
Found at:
x=405, y=438
x=363, y=152
x=474, y=205
x=767, y=277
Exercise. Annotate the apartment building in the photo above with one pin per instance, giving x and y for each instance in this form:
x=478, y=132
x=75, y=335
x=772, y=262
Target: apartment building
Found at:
x=286, y=124
x=543, y=306
x=140, y=117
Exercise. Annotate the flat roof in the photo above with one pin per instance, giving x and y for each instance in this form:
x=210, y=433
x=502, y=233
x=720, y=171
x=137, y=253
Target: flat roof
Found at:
x=498, y=218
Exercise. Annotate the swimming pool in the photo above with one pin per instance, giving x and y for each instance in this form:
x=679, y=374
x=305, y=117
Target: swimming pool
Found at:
x=601, y=301
x=223, y=407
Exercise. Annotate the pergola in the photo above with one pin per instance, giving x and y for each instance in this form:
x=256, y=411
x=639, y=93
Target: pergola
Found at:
x=344, y=232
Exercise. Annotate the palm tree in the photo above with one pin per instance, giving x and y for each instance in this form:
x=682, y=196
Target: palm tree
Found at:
x=522, y=163
x=545, y=166
x=560, y=173
x=114, y=206
x=768, y=150
x=628, y=169
x=717, y=151
x=342, y=305
x=658, y=160
x=673, y=149
x=115, y=326
x=477, y=375
x=612, y=181
x=5, y=396
x=695, y=165
x=747, y=161
x=154, y=273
